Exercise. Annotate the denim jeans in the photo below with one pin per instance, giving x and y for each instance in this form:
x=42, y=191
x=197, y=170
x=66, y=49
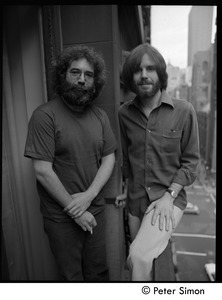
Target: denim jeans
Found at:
x=80, y=255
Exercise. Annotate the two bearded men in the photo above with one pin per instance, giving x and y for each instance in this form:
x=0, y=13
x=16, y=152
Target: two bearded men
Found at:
x=72, y=147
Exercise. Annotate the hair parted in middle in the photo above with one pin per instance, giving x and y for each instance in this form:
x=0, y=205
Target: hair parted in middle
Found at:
x=133, y=61
x=77, y=52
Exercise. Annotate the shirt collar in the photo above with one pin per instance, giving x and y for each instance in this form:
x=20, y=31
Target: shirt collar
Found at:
x=164, y=98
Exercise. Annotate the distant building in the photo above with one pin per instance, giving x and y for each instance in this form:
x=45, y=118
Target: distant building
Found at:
x=177, y=82
x=199, y=30
x=203, y=95
x=201, y=79
x=173, y=80
x=189, y=75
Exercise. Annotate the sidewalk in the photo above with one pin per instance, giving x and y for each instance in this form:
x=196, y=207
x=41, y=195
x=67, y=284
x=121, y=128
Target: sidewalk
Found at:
x=195, y=235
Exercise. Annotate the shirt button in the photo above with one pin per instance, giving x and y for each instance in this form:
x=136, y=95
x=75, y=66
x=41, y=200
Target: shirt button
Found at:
x=149, y=188
x=148, y=130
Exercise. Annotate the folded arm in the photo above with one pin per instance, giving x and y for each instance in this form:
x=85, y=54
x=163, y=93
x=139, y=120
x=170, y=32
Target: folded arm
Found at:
x=48, y=178
x=81, y=201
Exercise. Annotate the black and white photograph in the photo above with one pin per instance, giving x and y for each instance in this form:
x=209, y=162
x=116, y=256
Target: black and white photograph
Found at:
x=109, y=147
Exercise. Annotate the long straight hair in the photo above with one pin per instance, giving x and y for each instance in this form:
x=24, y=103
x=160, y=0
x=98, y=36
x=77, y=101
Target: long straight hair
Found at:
x=133, y=61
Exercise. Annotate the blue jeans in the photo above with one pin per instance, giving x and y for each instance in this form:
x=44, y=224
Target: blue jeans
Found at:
x=80, y=256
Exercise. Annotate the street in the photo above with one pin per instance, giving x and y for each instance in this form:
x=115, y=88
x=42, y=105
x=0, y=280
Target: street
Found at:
x=194, y=238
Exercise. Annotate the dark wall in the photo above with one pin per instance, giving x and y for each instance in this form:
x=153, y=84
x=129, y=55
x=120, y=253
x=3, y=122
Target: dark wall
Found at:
x=86, y=23
x=128, y=27
x=4, y=261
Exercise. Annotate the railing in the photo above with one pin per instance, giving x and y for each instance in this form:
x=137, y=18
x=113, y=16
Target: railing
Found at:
x=164, y=267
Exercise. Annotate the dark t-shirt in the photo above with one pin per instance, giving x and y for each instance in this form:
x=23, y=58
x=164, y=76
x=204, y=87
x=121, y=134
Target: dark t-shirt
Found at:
x=75, y=144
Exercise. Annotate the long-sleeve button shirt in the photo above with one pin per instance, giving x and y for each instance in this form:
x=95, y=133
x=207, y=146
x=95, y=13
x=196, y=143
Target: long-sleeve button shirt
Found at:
x=158, y=150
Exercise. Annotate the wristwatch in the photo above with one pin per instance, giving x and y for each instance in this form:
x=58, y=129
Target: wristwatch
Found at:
x=173, y=193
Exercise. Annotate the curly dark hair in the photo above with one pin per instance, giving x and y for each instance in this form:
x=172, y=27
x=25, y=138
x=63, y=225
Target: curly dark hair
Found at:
x=133, y=61
x=77, y=52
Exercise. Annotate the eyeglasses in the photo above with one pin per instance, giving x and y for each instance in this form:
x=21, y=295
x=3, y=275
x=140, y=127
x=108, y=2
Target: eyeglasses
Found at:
x=76, y=73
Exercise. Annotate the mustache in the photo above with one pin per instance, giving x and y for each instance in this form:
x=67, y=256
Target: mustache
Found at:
x=78, y=88
x=145, y=81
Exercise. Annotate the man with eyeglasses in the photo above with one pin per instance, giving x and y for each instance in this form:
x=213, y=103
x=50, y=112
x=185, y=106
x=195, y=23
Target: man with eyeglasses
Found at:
x=72, y=146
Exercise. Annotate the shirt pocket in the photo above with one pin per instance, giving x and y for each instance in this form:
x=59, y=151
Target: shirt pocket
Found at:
x=171, y=141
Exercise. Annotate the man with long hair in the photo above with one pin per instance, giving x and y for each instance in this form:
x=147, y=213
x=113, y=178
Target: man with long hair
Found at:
x=72, y=146
x=160, y=147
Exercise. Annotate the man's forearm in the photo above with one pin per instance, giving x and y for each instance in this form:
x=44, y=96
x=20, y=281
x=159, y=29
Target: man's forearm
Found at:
x=81, y=201
x=48, y=178
x=102, y=175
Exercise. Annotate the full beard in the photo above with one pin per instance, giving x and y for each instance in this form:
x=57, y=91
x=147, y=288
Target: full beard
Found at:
x=77, y=97
x=148, y=93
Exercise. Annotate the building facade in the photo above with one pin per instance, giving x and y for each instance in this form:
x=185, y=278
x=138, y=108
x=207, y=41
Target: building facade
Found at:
x=202, y=61
x=199, y=30
x=201, y=79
